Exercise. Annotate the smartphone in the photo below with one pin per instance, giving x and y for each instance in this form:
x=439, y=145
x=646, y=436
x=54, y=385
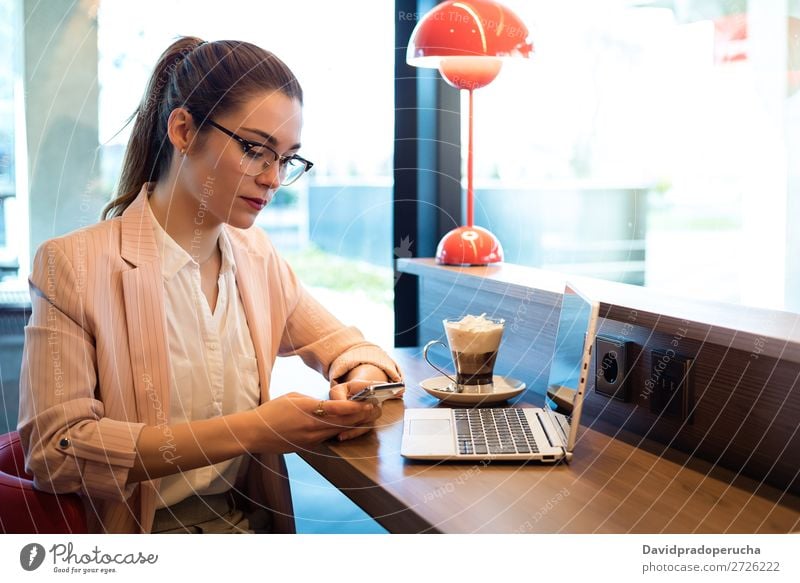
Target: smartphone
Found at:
x=381, y=392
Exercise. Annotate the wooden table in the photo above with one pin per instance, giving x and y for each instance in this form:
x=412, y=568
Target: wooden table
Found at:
x=616, y=483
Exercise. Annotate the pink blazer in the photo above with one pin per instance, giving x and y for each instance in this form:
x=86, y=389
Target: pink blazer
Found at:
x=96, y=369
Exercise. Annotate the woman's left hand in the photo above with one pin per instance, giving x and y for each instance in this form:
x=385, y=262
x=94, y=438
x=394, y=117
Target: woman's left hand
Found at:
x=356, y=380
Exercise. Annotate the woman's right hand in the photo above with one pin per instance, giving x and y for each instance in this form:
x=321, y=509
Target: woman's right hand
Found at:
x=289, y=424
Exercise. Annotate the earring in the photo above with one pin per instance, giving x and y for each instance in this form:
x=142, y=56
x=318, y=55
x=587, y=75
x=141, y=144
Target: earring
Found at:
x=183, y=151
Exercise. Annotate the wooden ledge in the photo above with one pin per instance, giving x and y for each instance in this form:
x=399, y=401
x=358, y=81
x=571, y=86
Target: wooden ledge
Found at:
x=759, y=331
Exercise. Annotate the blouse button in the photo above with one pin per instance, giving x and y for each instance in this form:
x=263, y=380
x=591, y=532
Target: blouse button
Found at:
x=64, y=443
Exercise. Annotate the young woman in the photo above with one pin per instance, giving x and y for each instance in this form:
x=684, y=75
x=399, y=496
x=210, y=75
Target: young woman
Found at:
x=146, y=373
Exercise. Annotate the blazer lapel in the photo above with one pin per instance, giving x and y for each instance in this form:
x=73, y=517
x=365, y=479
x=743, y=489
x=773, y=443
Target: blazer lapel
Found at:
x=251, y=275
x=143, y=292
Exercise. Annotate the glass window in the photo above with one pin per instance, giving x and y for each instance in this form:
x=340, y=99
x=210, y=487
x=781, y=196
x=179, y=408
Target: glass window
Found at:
x=14, y=299
x=648, y=142
x=9, y=116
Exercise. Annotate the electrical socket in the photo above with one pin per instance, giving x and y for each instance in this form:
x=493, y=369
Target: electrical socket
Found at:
x=611, y=367
x=672, y=385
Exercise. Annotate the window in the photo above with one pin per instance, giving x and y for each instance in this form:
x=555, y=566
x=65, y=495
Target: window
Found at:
x=14, y=310
x=649, y=143
x=10, y=97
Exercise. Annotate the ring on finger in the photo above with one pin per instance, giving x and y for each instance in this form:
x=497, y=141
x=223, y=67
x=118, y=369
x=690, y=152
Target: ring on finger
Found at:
x=320, y=410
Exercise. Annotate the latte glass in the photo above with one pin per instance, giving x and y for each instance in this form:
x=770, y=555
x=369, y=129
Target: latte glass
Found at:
x=473, y=343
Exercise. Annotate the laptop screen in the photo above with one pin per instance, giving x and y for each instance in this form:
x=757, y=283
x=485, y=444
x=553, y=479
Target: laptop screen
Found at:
x=567, y=366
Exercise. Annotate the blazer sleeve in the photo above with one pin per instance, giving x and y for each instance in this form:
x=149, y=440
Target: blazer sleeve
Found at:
x=322, y=341
x=70, y=446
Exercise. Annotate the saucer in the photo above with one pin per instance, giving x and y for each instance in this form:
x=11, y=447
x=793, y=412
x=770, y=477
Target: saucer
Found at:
x=504, y=388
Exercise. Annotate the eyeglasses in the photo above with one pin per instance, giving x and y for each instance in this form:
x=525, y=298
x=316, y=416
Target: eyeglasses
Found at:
x=258, y=157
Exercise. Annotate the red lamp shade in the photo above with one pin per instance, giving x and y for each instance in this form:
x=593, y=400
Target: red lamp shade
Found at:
x=467, y=40
x=467, y=28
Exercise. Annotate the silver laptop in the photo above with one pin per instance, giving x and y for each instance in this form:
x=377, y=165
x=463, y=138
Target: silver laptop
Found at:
x=545, y=433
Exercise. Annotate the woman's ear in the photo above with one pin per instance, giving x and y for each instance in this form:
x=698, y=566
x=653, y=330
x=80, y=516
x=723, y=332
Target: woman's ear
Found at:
x=181, y=129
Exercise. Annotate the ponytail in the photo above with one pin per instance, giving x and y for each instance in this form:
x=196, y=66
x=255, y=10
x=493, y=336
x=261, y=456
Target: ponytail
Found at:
x=204, y=78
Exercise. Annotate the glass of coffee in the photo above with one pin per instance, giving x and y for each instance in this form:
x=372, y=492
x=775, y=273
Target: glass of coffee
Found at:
x=473, y=343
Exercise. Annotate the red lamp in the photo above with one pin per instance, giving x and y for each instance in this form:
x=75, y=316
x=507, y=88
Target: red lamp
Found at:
x=467, y=40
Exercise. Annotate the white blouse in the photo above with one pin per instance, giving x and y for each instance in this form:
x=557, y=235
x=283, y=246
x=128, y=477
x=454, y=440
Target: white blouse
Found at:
x=214, y=370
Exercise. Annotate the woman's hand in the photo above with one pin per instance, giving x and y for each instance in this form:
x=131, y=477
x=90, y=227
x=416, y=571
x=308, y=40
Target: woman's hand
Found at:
x=288, y=423
x=343, y=391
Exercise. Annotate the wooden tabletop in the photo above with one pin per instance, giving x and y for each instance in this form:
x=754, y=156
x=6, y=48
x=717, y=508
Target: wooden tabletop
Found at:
x=616, y=484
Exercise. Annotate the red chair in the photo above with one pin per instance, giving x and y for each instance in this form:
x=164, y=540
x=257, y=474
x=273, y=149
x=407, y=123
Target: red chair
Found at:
x=26, y=510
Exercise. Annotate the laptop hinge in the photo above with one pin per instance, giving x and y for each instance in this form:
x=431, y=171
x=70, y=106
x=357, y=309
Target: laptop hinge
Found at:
x=562, y=424
x=559, y=425
x=551, y=432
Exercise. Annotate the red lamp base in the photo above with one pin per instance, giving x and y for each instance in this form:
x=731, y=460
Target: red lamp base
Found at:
x=469, y=246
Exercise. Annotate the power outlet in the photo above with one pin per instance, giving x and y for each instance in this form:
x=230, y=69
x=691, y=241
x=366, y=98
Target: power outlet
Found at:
x=611, y=367
x=672, y=385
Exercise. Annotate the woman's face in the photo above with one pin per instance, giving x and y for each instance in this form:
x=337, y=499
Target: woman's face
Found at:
x=213, y=168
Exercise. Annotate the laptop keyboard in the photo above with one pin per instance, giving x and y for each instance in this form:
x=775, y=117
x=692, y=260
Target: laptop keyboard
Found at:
x=493, y=431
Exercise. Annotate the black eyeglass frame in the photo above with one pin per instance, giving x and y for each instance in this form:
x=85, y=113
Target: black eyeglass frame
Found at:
x=248, y=145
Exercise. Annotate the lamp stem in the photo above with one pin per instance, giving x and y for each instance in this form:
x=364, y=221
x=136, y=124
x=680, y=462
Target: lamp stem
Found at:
x=470, y=191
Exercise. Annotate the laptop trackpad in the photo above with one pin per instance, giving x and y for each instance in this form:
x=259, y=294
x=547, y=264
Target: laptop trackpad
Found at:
x=429, y=427
x=428, y=434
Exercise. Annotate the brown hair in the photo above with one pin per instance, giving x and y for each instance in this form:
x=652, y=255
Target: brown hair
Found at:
x=204, y=77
